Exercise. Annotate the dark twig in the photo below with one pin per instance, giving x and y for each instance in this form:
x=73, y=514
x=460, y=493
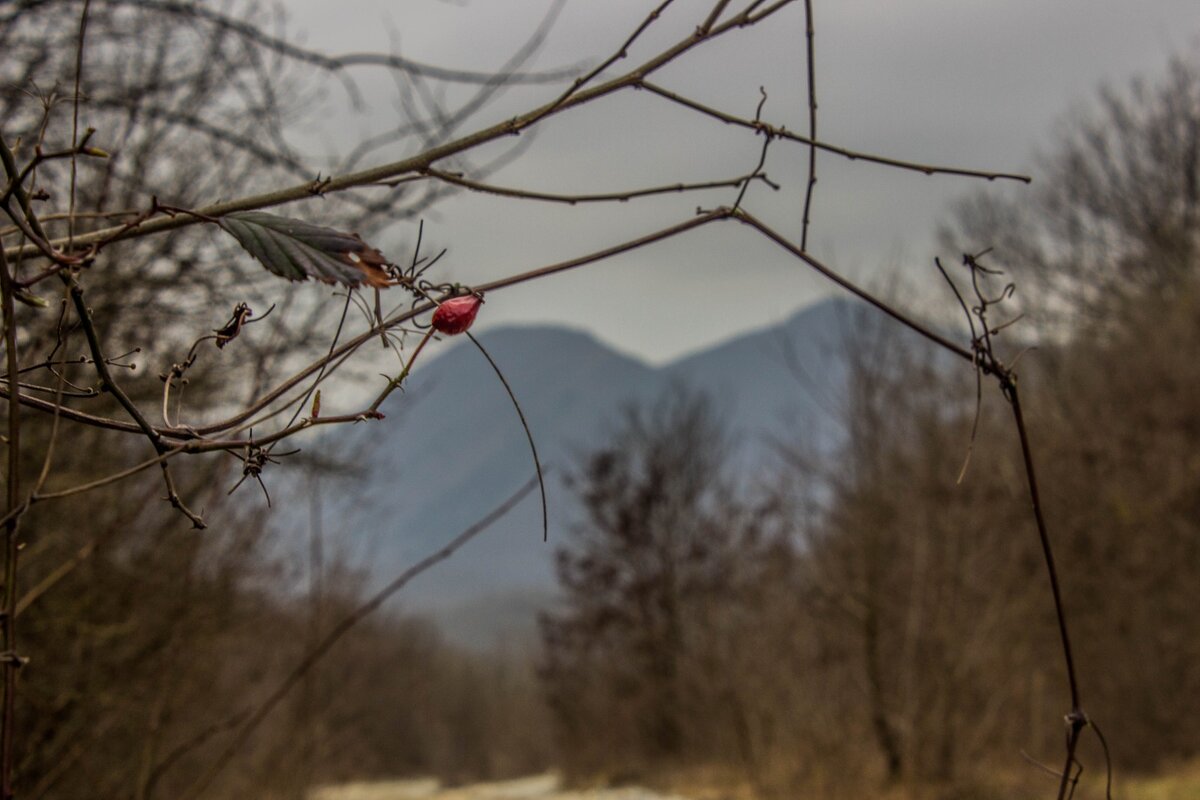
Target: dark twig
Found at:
x=537, y=462
x=430, y=156
x=337, y=334
x=962, y=473
x=1076, y=720
x=439, y=160
x=762, y=156
x=713, y=16
x=339, y=63
x=859, y=292
x=75, y=142
x=622, y=52
x=1108, y=767
x=101, y=364
x=812, y=123
x=8, y=615
x=573, y=199
x=396, y=320
x=987, y=361
x=608, y=252
x=853, y=155
x=113, y=388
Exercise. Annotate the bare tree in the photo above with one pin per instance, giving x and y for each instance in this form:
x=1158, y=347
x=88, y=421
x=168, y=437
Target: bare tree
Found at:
x=664, y=556
x=1117, y=213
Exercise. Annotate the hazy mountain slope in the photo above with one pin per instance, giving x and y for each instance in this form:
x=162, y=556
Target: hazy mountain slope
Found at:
x=452, y=447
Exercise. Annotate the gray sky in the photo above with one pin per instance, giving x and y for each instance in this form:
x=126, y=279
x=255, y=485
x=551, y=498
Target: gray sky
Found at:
x=974, y=83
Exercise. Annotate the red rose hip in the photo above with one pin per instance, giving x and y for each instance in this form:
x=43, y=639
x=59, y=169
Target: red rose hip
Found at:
x=456, y=314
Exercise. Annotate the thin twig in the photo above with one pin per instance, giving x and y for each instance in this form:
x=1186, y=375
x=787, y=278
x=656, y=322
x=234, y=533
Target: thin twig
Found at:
x=339, y=63
x=110, y=385
x=8, y=617
x=83, y=20
x=573, y=199
x=337, y=334
x=859, y=292
x=396, y=382
x=962, y=473
x=1076, y=720
x=762, y=156
x=176, y=501
x=537, y=462
x=986, y=360
x=853, y=155
x=1108, y=767
x=429, y=157
x=713, y=16
x=812, y=123
x=621, y=52
x=101, y=365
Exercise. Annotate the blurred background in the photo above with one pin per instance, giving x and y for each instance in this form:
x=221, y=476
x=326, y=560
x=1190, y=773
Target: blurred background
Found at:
x=768, y=573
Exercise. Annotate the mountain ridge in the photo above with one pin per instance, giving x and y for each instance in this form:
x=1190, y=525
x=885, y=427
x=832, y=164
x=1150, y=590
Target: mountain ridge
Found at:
x=453, y=448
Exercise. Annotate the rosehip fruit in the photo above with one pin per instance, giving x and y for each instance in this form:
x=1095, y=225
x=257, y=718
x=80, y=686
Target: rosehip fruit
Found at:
x=456, y=314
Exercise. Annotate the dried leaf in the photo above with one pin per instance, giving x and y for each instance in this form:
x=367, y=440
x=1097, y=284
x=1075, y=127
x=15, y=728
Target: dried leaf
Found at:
x=298, y=250
x=230, y=330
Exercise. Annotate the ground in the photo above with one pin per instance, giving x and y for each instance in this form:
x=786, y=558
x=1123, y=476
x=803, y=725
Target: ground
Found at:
x=541, y=787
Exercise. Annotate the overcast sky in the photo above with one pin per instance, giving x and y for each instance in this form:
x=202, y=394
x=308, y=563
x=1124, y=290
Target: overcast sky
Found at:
x=973, y=83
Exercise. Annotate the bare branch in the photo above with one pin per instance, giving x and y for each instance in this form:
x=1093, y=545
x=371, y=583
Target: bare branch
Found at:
x=313, y=656
x=853, y=155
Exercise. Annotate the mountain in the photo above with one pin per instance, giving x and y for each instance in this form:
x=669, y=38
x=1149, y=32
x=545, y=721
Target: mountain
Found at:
x=452, y=448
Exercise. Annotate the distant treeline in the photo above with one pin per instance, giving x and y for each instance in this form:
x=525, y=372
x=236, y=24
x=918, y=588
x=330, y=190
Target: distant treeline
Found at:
x=869, y=620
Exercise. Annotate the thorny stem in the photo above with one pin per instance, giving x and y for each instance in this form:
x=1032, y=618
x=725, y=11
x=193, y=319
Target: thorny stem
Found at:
x=195, y=436
x=717, y=214
x=780, y=132
x=857, y=291
x=110, y=385
x=83, y=20
x=11, y=661
x=1076, y=719
x=762, y=156
x=395, y=382
x=812, y=124
x=101, y=365
x=573, y=199
x=622, y=52
x=353, y=344
x=985, y=361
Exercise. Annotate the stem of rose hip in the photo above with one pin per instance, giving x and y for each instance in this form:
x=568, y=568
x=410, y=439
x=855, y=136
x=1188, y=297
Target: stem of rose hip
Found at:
x=395, y=382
